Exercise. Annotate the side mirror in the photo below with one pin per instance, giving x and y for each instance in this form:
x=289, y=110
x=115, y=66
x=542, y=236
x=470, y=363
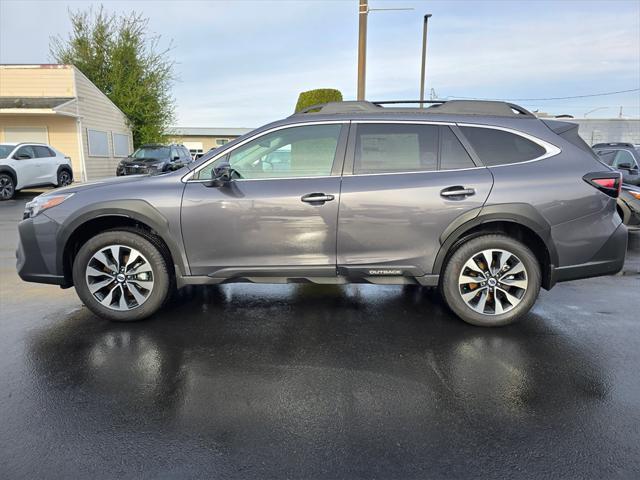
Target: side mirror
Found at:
x=22, y=156
x=625, y=166
x=175, y=157
x=221, y=175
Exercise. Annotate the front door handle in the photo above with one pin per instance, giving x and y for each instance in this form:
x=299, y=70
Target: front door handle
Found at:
x=457, y=191
x=317, y=198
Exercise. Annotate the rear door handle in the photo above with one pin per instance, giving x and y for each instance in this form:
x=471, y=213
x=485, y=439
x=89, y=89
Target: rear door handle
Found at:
x=318, y=198
x=457, y=192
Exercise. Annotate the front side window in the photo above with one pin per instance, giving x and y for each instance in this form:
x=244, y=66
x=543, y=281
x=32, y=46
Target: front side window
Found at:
x=305, y=151
x=24, y=153
x=498, y=147
x=388, y=147
x=622, y=156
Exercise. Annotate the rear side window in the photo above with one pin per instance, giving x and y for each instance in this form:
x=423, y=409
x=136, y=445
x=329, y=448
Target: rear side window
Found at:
x=497, y=147
x=42, y=152
x=384, y=148
x=453, y=155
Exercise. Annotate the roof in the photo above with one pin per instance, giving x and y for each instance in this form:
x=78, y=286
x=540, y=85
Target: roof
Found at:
x=33, y=102
x=208, y=131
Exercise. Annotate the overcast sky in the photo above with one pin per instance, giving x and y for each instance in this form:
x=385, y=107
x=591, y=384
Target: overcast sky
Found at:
x=243, y=63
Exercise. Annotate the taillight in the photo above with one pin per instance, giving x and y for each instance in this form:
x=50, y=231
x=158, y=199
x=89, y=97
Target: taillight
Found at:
x=609, y=183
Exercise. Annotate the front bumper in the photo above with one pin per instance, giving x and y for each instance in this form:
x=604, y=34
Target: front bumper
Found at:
x=36, y=255
x=609, y=260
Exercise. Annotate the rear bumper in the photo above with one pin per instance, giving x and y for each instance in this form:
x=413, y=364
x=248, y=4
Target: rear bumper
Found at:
x=608, y=260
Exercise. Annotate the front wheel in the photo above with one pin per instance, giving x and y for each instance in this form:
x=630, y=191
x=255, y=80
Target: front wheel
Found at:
x=491, y=280
x=7, y=187
x=121, y=276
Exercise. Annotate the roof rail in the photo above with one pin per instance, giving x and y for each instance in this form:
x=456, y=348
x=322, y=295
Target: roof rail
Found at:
x=451, y=107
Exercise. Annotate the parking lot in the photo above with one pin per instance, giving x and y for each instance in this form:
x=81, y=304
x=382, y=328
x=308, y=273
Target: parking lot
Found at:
x=293, y=381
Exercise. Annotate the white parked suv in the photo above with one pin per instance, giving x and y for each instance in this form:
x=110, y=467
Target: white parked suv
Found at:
x=24, y=165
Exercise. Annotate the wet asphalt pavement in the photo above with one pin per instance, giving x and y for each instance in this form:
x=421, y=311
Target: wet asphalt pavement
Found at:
x=302, y=381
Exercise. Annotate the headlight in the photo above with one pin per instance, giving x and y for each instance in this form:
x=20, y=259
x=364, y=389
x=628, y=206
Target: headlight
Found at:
x=42, y=203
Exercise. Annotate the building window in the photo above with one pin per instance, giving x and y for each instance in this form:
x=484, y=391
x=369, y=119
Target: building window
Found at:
x=98, y=143
x=221, y=141
x=120, y=145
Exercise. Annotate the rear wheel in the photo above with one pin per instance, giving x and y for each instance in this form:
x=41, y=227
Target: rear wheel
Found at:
x=491, y=280
x=64, y=178
x=121, y=275
x=7, y=187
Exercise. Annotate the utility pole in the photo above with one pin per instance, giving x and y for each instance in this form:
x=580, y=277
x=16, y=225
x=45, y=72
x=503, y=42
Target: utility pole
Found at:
x=363, y=12
x=424, y=57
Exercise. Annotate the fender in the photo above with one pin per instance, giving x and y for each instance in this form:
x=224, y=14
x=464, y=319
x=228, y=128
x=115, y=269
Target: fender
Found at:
x=138, y=210
x=10, y=171
x=517, y=213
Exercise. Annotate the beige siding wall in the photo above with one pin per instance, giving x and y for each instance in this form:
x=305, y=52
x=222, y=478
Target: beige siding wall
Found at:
x=62, y=133
x=98, y=113
x=208, y=142
x=37, y=81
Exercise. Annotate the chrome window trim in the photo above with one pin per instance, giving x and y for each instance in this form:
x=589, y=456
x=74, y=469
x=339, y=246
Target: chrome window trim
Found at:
x=550, y=149
x=188, y=177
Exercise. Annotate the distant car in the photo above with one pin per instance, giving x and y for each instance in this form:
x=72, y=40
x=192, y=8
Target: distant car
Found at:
x=629, y=206
x=24, y=165
x=154, y=159
x=624, y=157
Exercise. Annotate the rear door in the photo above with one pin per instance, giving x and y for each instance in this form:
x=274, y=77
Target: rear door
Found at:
x=47, y=165
x=404, y=183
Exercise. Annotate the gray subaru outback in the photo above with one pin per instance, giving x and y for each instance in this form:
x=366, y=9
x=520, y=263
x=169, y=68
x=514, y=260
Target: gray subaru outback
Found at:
x=481, y=199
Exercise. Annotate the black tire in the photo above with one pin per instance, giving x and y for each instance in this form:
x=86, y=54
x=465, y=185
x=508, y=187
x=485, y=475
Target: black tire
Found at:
x=7, y=187
x=65, y=177
x=160, y=273
x=451, y=288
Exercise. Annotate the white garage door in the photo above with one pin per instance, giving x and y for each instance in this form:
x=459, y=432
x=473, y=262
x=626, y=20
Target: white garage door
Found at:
x=26, y=134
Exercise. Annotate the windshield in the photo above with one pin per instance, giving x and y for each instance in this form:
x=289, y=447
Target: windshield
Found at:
x=156, y=153
x=5, y=150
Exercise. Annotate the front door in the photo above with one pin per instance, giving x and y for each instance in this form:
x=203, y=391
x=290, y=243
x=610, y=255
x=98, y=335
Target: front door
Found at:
x=403, y=186
x=278, y=215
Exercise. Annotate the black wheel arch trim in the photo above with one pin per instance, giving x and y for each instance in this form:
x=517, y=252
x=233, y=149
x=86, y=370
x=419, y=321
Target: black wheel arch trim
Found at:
x=137, y=210
x=10, y=171
x=517, y=213
x=64, y=167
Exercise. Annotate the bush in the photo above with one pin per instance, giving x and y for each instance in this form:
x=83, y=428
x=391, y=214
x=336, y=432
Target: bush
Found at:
x=319, y=95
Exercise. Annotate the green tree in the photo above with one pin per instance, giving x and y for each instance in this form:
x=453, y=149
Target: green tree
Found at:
x=117, y=53
x=319, y=95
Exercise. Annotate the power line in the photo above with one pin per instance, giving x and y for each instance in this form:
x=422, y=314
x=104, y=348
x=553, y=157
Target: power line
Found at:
x=550, y=98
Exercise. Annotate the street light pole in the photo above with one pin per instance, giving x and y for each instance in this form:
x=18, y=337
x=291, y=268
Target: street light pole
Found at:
x=363, y=12
x=424, y=58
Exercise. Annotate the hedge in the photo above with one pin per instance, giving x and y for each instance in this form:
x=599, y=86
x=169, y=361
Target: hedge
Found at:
x=320, y=95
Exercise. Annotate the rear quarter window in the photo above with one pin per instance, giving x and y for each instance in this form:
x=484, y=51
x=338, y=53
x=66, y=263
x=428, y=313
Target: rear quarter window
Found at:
x=498, y=147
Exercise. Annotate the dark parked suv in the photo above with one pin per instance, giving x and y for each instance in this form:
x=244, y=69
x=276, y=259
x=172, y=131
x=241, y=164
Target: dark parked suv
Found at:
x=481, y=199
x=153, y=159
x=624, y=157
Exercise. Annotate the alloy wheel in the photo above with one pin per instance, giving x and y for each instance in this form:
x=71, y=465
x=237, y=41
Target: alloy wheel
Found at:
x=6, y=188
x=119, y=277
x=64, y=179
x=493, y=282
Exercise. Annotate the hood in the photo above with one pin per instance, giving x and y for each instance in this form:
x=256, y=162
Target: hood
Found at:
x=143, y=160
x=79, y=187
